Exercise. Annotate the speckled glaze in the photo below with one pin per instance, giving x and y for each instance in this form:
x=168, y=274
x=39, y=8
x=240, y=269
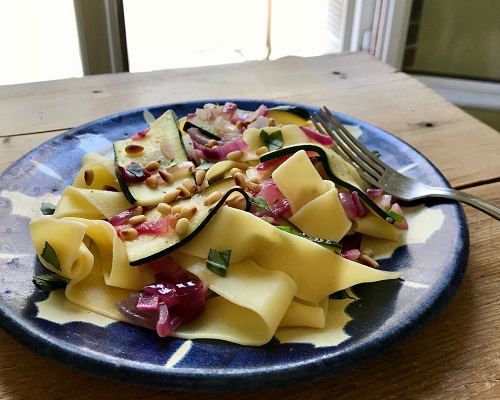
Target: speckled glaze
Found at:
x=385, y=315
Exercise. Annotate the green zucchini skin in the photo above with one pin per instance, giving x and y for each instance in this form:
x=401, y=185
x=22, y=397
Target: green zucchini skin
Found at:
x=139, y=253
x=164, y=132
x=323, y=156
x=206, y=128
x=296, y=110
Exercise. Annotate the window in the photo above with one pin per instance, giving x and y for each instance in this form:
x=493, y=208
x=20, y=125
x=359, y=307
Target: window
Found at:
x=164, y=34
x=38, y=41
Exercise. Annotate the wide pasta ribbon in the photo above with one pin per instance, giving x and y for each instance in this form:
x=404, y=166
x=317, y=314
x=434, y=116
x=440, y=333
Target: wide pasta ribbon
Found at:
x=250, y=305
x=314, y=202
x=92, y=257
x=317, y=271
x=90, y=203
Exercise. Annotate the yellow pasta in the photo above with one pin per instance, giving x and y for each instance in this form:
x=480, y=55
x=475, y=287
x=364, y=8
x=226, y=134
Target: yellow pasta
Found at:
x=274, y=278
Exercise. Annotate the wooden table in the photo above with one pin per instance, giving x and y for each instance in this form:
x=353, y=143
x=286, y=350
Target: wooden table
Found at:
x=456, y=357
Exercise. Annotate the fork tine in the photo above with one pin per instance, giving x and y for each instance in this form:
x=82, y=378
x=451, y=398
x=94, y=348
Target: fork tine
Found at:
x=352, y=143
x=366, y=170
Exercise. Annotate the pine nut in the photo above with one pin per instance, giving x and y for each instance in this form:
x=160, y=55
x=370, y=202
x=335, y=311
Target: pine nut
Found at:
x=367, y=260
x=138, y=210
x=234, y=171
x=182, y=226
x=134, y=149
x=129, y=234
x=184, y=192
x=189, y=211
x=236, y=200
x=152, y=182
x=253, y=179
x=369, y=252
x=137, y=219
x=240, y=180
x=152, y=166
x=234, y=155
x=173, y=221
x=200, y=176
x=261, y=150
x=213, y=198
x=190, y=185
x=212, y=143
x=171, y=196
x=272, y=122
x=163, y=208
x=269, y=220
x=240, y=125
x=253, y=187
x=88, y=176
x=166, y=176
x=176, y=209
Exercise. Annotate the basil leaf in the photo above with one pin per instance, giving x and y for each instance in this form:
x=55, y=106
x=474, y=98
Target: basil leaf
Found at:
x=326, y=243
x=171, y=163
x=272, y=141
x=218, y=261
x=289, y=230
x=49, y=282
x=50, y=255
x=47, y=208
x=260, y=202
x=135, y=169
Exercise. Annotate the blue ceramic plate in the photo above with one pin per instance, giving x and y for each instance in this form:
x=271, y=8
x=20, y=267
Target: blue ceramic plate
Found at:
x=382, y=316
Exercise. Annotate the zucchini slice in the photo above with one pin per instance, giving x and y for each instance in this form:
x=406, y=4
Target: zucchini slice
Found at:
x=284, y=115
x=339, y=171
x=205, y=127
x=163, y=144
x=148, y=247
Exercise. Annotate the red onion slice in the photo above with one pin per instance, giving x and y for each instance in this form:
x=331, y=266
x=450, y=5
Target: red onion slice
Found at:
x=220, y=153
x=318, y=137
x=140, y=135
x=133, y=172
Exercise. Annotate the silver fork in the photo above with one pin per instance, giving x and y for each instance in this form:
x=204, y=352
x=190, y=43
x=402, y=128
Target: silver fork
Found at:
x=380, y=175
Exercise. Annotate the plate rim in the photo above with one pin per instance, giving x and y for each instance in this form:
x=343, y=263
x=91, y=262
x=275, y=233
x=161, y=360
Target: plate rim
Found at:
x=248, y=379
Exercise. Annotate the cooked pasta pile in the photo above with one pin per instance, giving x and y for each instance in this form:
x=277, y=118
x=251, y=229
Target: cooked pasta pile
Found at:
x=282, y=265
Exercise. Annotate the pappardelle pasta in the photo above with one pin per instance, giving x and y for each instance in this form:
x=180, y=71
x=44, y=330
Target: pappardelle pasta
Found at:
x=224, y=224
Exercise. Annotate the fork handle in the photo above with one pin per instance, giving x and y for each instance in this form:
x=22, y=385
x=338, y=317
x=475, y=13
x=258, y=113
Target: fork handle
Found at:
x=466, y=198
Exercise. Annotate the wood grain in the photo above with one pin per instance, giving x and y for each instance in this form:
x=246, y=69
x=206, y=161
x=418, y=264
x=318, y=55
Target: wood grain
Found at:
x=457, y=356
x=350, y=83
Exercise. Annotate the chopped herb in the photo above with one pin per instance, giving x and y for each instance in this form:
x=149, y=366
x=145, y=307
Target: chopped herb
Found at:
x=135, y=169
x=49, y=281
x=171, y=163
x=290, y=230
x=272, y=141
x=47, y=208
x=260, y=202
x=49, y=255
x=394, y=215
x=376, y=153
x=329, y=244
x=218, y=261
